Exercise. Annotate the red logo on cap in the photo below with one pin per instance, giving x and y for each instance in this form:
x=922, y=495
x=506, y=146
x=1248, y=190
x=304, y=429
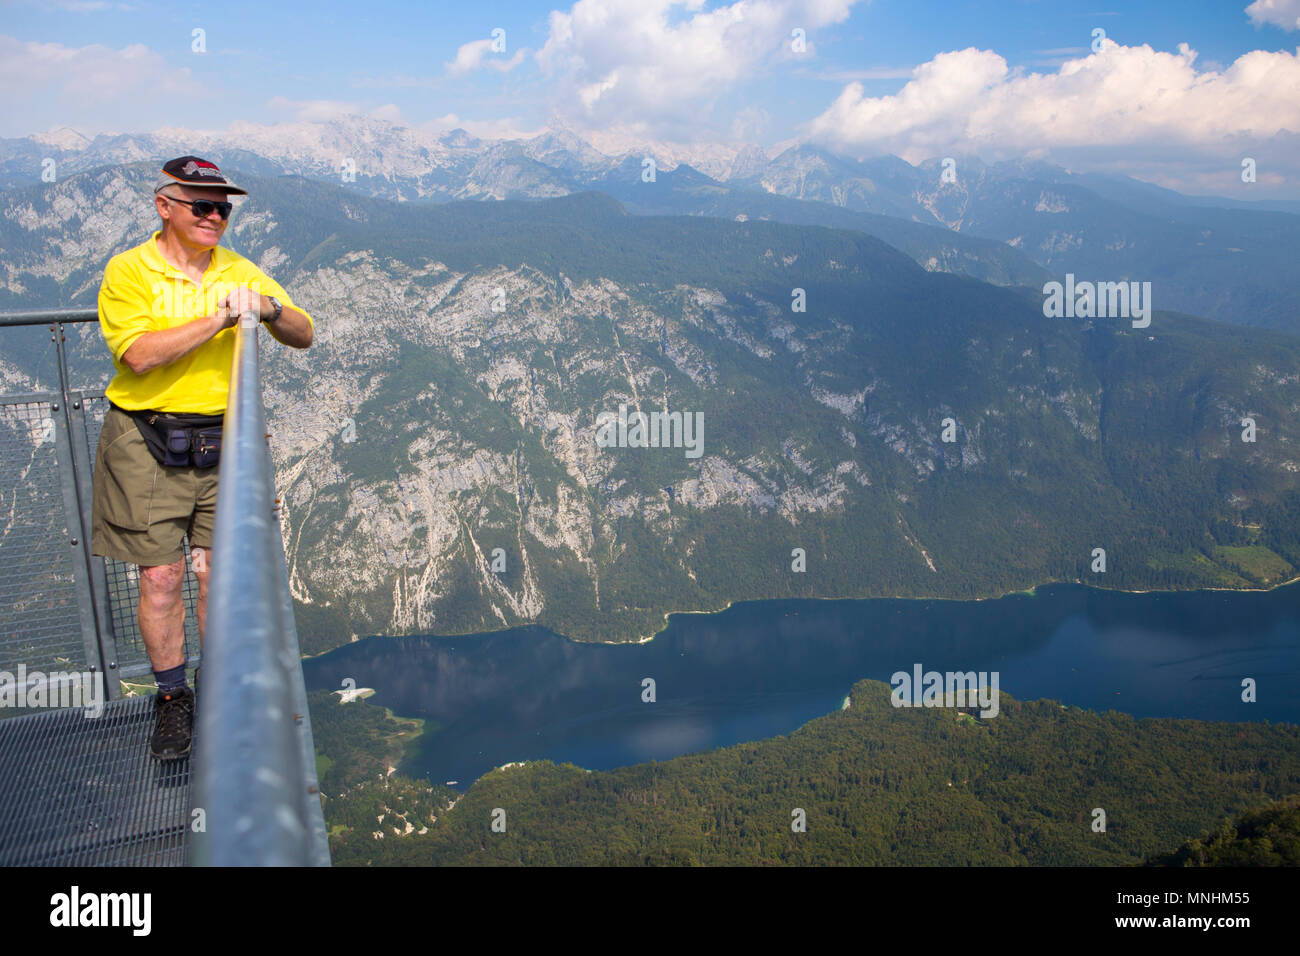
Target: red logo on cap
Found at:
x=201, y=167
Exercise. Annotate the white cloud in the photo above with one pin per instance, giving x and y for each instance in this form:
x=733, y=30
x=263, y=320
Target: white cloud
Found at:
x=750, y=124
x=1279, y=13
x=478, y=54
x=311, y=111
x=94, y=88
x=320, y=111
x=506, y=127
x=1140, y=110
x=389, y=113
x=665, y=61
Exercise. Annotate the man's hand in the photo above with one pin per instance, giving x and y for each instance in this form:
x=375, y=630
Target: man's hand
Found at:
x=228, y=318
x=241, y=300
x=292, y=328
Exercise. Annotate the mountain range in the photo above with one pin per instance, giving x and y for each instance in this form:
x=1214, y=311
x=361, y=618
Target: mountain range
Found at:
x=1012, y=223
x=870, y=427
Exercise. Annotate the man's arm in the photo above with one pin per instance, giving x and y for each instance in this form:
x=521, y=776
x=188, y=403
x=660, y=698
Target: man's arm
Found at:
x=152, y=349
x=292, y=327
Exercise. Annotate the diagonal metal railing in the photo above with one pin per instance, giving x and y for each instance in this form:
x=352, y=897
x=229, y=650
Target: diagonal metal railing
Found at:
x=256, y=766
x=81, y=791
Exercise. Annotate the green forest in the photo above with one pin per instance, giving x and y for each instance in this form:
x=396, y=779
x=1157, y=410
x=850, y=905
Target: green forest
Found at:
x=873, y=785
x=1266, y=836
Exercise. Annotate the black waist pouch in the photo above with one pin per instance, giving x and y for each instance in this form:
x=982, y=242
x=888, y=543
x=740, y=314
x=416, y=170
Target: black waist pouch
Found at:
x=178, y=440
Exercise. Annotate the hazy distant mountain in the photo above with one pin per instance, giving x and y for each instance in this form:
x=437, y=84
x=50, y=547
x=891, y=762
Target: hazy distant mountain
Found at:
x=467, y=351
x=1235, y=264
x=685, y=191
x=1222, y=259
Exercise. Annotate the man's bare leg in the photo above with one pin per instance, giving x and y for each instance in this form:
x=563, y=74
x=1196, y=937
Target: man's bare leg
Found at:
x=201, y=563
x=162, y=624
x=162, y=614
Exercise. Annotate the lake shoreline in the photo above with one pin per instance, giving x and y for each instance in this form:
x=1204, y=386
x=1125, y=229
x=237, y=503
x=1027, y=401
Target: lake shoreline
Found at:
x=1023, y=592
x=763, y=671
x=646, y=639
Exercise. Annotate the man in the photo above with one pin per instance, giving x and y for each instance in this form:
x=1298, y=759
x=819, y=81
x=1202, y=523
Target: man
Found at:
x=167, y=309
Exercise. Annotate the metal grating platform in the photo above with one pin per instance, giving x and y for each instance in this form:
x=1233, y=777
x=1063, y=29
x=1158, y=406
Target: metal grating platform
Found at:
x=77, y=791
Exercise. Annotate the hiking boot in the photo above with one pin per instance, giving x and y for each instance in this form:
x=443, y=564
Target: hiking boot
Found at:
x=173, y=724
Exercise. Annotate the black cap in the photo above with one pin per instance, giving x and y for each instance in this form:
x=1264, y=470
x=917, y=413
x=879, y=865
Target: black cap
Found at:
x=192, y=171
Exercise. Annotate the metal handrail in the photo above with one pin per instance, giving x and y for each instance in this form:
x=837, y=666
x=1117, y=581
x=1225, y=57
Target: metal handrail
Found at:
x=47, y=316
x=255, y=770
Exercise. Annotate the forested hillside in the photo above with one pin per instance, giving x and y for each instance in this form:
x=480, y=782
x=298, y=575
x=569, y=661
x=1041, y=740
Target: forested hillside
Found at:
x=1266, y=836
x=877, y=786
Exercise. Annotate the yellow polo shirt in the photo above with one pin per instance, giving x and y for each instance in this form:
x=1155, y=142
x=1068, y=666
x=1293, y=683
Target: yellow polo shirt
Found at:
x=143, y=292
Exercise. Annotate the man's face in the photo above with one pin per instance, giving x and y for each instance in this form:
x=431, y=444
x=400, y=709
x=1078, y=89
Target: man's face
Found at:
x=192, y=230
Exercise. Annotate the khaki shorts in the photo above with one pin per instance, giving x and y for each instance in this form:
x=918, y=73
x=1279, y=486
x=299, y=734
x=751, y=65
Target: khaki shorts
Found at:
x=142, y=510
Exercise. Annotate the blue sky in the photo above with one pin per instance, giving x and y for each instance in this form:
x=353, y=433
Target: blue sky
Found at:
x=693, y=72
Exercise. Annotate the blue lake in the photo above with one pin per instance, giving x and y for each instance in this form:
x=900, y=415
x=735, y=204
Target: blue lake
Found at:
x=764, y=668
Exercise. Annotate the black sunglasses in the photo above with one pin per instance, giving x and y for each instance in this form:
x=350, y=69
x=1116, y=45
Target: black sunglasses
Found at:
x=204, y=207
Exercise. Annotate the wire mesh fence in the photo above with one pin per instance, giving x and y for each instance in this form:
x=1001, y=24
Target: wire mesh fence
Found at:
x=44, y=608
x=40, y=620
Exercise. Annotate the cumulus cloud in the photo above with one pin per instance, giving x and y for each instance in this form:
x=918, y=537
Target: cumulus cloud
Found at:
x=1278, y=13
x=664, y=61
x=94, y=88
x=1148, y=106
x=478, y=54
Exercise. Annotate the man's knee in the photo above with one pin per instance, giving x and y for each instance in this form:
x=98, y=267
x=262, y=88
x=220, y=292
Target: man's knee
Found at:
x=160, y=585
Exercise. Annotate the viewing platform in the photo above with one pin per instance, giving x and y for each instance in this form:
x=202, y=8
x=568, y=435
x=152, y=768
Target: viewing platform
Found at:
x=77, y=784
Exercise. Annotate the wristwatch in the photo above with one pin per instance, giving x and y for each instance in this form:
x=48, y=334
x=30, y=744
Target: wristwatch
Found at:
x=279, y=307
